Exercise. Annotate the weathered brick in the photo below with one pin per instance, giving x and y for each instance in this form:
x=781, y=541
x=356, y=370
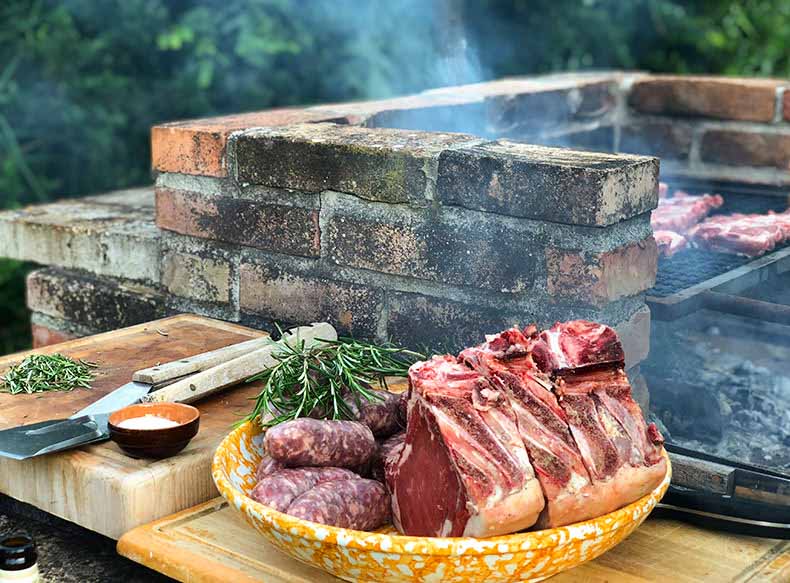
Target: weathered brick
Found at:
x=377, y=164
x=712, y=97
x=600, y=139
x=746, y=148
x=198, y=146
x=97, y=303
x=550, y=184
x=44, y=336
x=665, y=139
x=450, y=246
x=525, y=113
x=786, y=104
x=112, y=234
x=599, y=278
x=197, y=277
x=274, y=227
x=270, y=290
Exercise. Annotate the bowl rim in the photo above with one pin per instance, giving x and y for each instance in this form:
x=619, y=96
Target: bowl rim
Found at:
x=153, y=406
x=433, y=546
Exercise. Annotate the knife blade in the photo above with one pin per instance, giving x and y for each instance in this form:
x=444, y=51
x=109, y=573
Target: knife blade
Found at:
x=196, y=377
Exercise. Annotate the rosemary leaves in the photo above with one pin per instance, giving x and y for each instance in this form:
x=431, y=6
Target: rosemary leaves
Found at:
x=41, y=373
x=321, y=379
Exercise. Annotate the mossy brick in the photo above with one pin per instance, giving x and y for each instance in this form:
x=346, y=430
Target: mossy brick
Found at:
x=271, y=290
x=548, y=184
x=195, y=276
x=377, y=164
x=96, y=303
x=282, y=228
x=451, y=246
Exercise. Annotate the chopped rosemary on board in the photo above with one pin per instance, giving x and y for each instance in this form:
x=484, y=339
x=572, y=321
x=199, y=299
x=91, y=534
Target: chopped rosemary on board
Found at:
x=306, y=380
x=40, y=373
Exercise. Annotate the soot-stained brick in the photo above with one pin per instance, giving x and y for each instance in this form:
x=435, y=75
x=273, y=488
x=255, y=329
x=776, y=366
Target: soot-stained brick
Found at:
x=272, y=291
x=97, y=303
x=281, y=228
x=439, y=325
x=548, y=184
x=449, y=246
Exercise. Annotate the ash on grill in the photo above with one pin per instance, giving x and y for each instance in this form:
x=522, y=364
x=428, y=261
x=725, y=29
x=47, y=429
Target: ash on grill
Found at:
x=719, y=402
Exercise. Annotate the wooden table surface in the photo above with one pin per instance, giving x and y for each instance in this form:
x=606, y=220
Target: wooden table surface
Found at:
x=98, y=486
x=211, y=543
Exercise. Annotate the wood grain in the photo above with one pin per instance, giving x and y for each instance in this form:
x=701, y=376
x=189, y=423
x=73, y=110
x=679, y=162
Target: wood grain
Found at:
x=99, y=487
x=211, y=544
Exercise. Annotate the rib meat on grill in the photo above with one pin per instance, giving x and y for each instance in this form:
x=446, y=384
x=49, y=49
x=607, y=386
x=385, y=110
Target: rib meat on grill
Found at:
x=742, y=234
x=683, y=210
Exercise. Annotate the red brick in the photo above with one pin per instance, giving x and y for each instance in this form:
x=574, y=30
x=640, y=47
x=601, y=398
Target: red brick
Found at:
x=713, y=97
x=599, y=278
x=284, y=229
x=786, y=104
x=198, y=146
x=741, y=148
x=44, y=336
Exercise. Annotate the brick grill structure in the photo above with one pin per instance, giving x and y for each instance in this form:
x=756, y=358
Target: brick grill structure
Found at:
x=356, y=214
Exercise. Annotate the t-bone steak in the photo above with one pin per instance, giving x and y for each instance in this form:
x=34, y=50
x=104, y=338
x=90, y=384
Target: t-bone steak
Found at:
x=557, y=401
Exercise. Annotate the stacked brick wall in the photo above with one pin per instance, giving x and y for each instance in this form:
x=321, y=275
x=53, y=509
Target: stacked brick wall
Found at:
x=325, y=212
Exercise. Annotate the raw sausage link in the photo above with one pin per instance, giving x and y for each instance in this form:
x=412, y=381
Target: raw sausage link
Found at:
x=315, y=442
x=381, y=415
x=281, y=488
x=359, y=504
x=388, y=452
x=268, y=465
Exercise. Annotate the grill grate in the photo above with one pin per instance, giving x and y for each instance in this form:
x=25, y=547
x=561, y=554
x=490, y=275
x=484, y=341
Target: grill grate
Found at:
x=693, y=266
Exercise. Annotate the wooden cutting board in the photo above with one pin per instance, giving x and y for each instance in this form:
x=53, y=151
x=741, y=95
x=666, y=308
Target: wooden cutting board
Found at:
x=212, y=544
x=98, y=486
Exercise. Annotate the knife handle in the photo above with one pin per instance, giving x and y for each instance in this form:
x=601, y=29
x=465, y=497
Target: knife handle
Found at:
x=240, y=369
x=161, y=373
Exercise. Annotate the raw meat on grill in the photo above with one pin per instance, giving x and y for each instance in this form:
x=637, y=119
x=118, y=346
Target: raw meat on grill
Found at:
x=463, y=469
x=663, y=189
x=741, y=234
x=669, y=242
x=683, y=210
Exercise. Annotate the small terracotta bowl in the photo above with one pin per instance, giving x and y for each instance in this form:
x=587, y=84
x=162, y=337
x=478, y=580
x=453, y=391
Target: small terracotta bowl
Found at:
x=155, y=443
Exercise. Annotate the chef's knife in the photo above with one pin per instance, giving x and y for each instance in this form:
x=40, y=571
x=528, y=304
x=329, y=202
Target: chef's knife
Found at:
x=185, y=380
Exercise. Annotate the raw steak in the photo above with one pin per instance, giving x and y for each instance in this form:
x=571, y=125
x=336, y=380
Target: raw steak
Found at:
x=542, y=424
x=463, y=469
x=577, y=344
x=620, y=451
x=683, y=211
x=749, y=235
x=669, y=242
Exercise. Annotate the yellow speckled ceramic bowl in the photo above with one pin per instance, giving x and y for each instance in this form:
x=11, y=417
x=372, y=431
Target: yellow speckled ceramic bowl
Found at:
x=386, y=556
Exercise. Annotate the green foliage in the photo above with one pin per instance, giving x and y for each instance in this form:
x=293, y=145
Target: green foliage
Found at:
x=81, y=81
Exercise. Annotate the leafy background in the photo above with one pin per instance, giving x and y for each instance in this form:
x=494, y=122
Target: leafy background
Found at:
x=82, y=81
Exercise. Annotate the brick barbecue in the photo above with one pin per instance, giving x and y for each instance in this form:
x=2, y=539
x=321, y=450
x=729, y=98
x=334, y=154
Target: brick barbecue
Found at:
x=375, y=216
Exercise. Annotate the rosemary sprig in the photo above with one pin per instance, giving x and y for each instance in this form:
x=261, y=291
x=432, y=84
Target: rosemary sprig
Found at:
x=321, y=379
x=40, y=373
